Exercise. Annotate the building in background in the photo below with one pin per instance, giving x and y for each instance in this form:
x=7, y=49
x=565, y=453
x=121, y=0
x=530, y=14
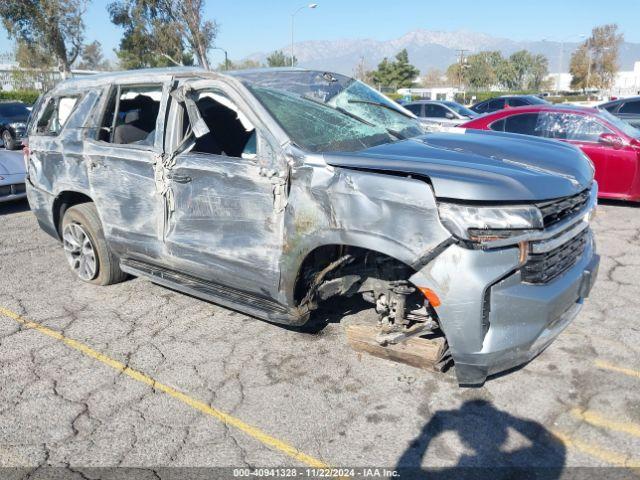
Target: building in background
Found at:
x=13, y=77
x=432, y=93
x=625, y=84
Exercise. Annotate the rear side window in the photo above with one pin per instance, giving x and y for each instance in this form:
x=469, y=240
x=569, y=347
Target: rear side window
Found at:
x=524, y=124
x=435, y=111
x=54, y=115
x=630, y=107
x=611, y=108
x=130, y=115
x=481, y=107
x=496, y=104
x=517, y=102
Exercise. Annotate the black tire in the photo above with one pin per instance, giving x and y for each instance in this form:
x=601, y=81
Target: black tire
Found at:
x=8, y=140
x=107, y=269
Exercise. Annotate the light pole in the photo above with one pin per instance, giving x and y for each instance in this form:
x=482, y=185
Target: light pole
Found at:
x=562, y=42
x=311, y=6
x=226, y=57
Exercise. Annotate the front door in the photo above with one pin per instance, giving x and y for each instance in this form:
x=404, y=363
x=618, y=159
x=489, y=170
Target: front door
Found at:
x=226, y=194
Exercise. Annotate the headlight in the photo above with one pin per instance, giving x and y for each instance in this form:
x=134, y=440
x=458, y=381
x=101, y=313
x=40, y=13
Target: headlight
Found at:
x=484, y=224
x=17, y=125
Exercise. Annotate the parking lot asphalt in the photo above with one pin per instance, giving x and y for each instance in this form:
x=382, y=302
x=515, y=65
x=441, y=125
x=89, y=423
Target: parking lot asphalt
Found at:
x=135, y=374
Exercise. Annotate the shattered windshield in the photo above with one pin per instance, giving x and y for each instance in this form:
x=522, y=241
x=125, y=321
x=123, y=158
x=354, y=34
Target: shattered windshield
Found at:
x=324, y=112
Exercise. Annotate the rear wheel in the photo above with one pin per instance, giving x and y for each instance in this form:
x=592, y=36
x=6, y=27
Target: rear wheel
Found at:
x=86, y=249
x=7, y=139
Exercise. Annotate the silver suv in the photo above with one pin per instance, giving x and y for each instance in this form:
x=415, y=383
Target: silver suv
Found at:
x=270, y=191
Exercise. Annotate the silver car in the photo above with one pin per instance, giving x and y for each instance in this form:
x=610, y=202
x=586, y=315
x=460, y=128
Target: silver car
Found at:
x=12, y=176
x=436, y=113
x=273, y=191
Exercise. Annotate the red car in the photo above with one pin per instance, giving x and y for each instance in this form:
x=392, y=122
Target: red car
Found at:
x=612, y=144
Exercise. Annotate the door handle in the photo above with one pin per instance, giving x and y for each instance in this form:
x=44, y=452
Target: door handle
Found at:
x=179, y=178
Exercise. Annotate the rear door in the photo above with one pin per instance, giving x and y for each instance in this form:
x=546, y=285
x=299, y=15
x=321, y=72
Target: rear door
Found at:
x=225, y=192
x=122, y=149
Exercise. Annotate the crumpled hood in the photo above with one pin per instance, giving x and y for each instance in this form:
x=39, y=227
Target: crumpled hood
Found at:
x=481, y=165
x=11, y=163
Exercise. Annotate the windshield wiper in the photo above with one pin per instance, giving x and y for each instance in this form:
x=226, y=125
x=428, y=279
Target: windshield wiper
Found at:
x=380, y=104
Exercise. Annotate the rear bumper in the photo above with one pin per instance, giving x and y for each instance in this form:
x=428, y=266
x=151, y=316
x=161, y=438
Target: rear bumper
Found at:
x=12, y=188
x=493, y=320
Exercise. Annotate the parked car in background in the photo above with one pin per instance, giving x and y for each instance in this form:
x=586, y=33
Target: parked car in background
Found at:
x=13, y=123
x=507, y=101
x=612, y=144
x=443, y=113
x=628, y=109
x=12, y=176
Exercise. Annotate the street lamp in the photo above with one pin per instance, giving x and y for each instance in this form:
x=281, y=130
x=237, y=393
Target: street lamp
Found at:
x=226, y=57
x=311, y=6
x=562, y=42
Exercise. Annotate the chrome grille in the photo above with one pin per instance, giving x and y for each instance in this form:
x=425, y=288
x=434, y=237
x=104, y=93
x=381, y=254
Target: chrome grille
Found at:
x=557, y=210
x=545, y=267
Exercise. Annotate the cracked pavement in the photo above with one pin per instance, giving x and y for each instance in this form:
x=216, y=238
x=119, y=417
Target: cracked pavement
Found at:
x=59, y=407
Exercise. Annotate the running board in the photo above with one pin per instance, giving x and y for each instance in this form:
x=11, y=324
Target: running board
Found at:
x=251, y=304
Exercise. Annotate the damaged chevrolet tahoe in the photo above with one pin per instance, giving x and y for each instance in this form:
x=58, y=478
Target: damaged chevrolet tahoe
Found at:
x=271, y=191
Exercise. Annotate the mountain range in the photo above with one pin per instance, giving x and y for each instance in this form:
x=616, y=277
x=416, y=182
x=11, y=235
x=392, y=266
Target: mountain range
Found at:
x=431, y=49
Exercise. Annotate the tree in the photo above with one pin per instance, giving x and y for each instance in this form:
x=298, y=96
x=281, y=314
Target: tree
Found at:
x=362, y=73
x=595, y=62
x=538, y=71
x=243, y=65
x=279, y=59
x=162, y=32
x=54, y=26
x=398, y=74
x=92, y=58
x=433, y=78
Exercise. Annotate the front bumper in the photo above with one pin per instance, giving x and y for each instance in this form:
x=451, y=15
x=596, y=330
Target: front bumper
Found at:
x=492, y=319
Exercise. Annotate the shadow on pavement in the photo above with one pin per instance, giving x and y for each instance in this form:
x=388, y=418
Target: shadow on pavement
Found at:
x=484, y=431
x=618, y=203
x=16, y=206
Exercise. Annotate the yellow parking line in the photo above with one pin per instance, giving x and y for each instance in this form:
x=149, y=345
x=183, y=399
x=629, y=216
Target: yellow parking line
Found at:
x=597, y=420
x=596, y=451
x=610, y=366
x=230, y=420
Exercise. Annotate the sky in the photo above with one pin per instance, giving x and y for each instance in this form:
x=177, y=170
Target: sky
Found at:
x=250, y=26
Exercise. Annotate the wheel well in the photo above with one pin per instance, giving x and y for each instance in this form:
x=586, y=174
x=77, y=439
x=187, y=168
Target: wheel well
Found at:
x=63, y=201
x=330, y=262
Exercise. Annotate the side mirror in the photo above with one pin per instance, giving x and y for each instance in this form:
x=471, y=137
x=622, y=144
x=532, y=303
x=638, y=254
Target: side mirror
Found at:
x=449, y=115
x=611, y=140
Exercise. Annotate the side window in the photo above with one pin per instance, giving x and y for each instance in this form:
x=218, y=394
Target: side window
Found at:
x=630, y=107
x=611, y=108
x=481, y=107
x=230, y=131
x=517, y=102
x=435, y=111
x=415, y=108
x=497, y=126
x=579, y=128
x=55, y=114
x=525, y=124
x=130, y=115
x=496, y=104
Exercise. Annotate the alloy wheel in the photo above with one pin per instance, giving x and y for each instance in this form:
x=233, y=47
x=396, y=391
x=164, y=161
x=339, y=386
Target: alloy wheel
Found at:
x=79, y=251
